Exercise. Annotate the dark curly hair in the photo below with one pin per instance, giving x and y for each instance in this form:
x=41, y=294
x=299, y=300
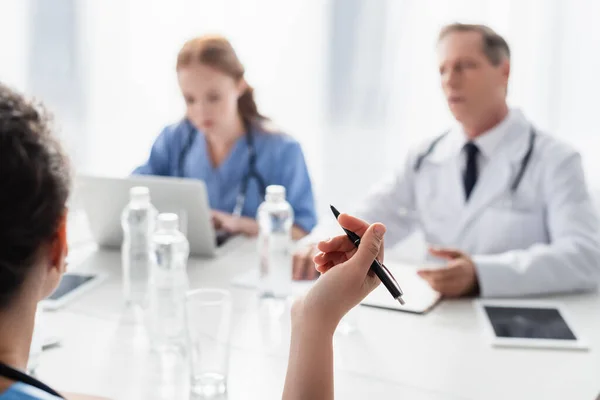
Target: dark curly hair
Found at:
x=35, y=182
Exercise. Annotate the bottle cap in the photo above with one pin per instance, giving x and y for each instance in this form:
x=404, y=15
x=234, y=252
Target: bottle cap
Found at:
x=167, y=221
x=275, y=193
x=139, y=194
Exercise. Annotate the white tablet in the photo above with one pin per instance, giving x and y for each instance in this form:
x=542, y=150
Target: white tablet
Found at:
x=515, y=323
x=71, y=285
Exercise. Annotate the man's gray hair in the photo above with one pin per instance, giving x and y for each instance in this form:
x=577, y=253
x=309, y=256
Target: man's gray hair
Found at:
x=494, y=46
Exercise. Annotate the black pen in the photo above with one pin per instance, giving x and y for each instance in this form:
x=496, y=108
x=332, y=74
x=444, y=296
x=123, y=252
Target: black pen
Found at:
x=384, y=275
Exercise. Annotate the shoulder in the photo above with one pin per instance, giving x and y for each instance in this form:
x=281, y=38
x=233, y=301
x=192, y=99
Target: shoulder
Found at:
x=552, y=150
x=433, y=149
x=22, y=391
x=431, y=143
x=176, y=130
x=276, y=139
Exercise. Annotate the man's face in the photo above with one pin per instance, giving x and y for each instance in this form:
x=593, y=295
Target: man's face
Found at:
x=473, y=86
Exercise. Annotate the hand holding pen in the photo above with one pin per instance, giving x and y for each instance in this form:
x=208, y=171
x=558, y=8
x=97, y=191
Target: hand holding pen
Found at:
x=377, y=266
x=345, y=279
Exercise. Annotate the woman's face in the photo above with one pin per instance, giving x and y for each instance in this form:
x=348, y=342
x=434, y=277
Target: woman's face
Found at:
x=211, y=97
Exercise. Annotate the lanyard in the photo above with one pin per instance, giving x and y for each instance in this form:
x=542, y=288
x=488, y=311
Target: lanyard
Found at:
x=18, y=376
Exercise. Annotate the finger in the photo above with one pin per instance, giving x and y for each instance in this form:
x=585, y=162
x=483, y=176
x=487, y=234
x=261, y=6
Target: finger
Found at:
x=448, y=289
x=338, y=243
x=370, y=247
x=353, y=224
x=335, y=257
x=217, y=214
x=325, y=267
x=230, y=226
x=441, y=275
x=445, y=252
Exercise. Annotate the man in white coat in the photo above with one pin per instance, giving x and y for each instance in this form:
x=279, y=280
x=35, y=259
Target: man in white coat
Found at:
x=506, y=205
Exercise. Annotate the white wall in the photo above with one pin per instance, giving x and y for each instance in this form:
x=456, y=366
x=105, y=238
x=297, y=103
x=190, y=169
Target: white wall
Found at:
x=128, y=49
x=13, y=40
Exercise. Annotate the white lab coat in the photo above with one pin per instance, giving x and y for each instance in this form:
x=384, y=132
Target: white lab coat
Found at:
x=544, y=238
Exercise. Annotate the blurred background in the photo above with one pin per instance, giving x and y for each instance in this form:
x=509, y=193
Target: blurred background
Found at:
x=355, y=81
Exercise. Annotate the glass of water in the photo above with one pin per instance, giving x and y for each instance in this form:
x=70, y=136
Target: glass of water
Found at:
x=208, y=323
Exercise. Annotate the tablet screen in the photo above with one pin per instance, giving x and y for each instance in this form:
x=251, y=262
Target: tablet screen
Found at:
x=528, y=323
x=68, y=283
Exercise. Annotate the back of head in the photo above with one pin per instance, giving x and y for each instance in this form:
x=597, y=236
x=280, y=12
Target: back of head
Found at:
x=34, y=187
x=216, y=52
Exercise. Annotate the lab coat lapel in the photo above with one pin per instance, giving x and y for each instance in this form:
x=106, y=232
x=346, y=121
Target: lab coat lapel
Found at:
x=492, y=183
x=496, y=178
x=448, y=184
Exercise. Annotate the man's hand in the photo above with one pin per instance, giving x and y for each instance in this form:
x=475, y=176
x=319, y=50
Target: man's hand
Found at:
x=303, y=264
x=458, y=278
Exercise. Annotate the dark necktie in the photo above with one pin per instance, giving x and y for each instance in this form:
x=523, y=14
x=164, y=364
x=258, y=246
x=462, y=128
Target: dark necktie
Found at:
x=470, y=175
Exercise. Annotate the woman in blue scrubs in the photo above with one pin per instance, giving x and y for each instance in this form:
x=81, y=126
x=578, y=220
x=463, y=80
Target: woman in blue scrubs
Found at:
x=224, y=141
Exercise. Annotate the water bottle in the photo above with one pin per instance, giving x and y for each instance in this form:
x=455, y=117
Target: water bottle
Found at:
x=167, y=285
x=138, y=220
x=275, y=219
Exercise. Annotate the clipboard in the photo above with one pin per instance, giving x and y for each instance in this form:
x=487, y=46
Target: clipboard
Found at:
x=420, y=298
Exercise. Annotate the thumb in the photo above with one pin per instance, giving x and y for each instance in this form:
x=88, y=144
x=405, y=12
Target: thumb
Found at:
x=371, y=245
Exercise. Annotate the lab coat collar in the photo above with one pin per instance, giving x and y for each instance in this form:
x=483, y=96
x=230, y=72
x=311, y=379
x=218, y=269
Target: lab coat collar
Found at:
x=506, y=146
x=507, y=139
x=496, y=177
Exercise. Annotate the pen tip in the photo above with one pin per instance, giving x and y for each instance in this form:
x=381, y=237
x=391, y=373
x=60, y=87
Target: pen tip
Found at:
x=335, y=211
x=401, y=301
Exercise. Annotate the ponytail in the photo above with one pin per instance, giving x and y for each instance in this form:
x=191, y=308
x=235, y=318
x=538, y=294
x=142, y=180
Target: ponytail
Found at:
x=247, y=107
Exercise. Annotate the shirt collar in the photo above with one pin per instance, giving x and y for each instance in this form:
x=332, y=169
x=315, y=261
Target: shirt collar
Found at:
x=489, y=141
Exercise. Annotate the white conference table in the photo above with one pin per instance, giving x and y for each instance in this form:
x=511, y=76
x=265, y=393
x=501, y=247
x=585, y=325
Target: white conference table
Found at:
x=441, y=355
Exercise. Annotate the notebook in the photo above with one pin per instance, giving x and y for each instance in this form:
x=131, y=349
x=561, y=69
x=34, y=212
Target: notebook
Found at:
x=420, y=298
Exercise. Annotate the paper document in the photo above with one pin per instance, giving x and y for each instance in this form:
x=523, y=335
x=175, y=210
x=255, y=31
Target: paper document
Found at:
x=418, y=295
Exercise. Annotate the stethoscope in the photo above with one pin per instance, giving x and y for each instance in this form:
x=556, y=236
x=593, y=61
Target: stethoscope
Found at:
x=252, y=171
x=18, y=376
x=524, y=161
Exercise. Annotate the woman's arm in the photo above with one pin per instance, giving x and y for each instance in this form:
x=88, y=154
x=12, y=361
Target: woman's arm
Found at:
x=344, y=283
x=159, y=161
x=310, y=365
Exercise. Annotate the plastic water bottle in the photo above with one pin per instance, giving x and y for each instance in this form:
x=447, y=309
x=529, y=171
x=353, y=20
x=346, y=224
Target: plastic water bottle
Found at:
x=275, y=218
x=138, y=220
x=167, y=285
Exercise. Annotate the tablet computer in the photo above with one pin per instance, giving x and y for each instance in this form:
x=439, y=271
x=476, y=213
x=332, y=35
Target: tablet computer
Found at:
x=71, y=285
x=529, y=324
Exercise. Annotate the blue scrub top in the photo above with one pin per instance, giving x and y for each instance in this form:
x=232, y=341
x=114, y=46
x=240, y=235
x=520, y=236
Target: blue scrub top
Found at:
x=23, y=391
x=279, y=161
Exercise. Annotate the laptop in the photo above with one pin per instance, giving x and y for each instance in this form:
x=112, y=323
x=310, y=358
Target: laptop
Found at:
x=103, y=200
